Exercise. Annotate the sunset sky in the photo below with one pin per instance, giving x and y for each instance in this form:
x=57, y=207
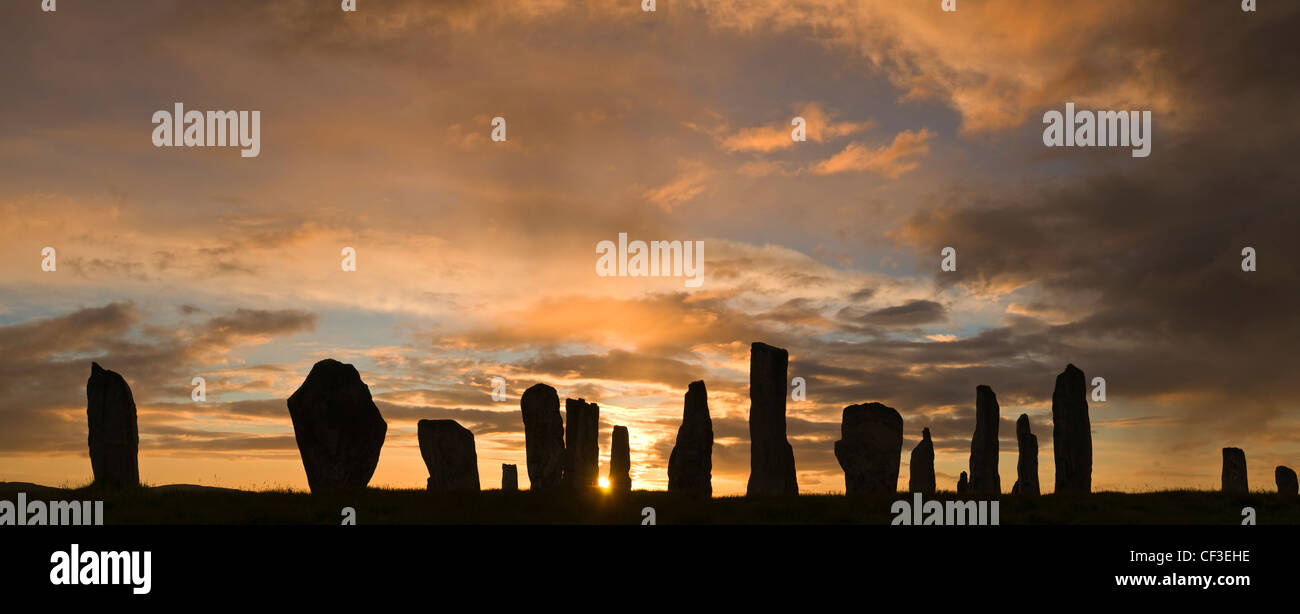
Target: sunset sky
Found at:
x=477, y=259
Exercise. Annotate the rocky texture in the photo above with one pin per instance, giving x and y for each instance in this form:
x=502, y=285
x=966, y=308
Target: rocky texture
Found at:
x=1234, y=471
x=962, y=485
x=690, y=467
x=338, y=428
x=870, y=445
x=581, y=448
x=448, y=451
x=1286, y=480
x=620, y=461
x=771, y=459
x=1072, y=432
x=921, y=466
x=984, y=477
x=114, y=435
x=1027, y=466
x=543, y=436
x=509, y=478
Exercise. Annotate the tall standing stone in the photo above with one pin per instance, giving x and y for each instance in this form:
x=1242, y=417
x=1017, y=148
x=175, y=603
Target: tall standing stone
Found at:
x=114, y=435
x=1072, y=432
x=962, y=485
x=620, y=462
x=1027, y=466
x=1234, y=471
x=921, y=466
x=771, y=459
x=509, y=478
x=870, y=447
x=448, y=451
x=1286, y=480
x=543, y=436
x=984, y=478
x=581, y=448
x=339, y=430
x=690, y=467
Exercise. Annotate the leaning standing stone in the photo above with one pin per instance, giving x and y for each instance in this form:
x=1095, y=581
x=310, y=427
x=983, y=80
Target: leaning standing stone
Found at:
x=448, y=451
x=338, y=428
x=114, y=435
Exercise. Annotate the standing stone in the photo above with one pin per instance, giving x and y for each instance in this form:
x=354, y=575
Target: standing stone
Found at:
x=509, y=478
x=1027, y=466
x=581, y=449
x=984, y=478
x=690, y=467
x=962, y=484
x=921, y=466
x=1072, y=432
x=1286, y=480
x=543, y=436
x=620, y=462
x=448, y=451
x=338, y=428
x=771, y=459
x=1234, y=470
x=869, y=449
x=114, y=435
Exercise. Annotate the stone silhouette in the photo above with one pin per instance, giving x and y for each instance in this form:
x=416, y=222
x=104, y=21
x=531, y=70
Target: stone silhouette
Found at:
x=338, y=428
x=771, y=459
x=690, y=467
x=962, y=485
x=509, y=478
x=984, y=478
x=1027, y=466
x=1072, y=432
x=921, y=466
x=1286, y=480
x=581, y=448
x=1234, y=471
x=448, y=451
x=620, y=462
x=869, y=449
x=114, y=434
x=543, y=436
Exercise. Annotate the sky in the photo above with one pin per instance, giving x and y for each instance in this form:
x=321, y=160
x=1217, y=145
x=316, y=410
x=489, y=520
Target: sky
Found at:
x=477, y=259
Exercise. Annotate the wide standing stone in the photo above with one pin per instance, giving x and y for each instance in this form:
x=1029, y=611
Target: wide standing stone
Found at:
x=509, y=478
x=921, y=466
x=1027, y=466
x=869, y=449
x=338, y=428
x=962, y=485
x=1072, y=432
x=620, y=462
x=114, y=435
x=690, y=467
x=448, y=451
x=771, y=459
x=1286, y=480
x=543, y=436
x=1234, y=470
x=581, y=449
x=984, y=478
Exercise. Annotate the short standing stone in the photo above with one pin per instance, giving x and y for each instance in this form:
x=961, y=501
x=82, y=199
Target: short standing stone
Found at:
x=690, y=466
x=448, y=451
x=509, y=478
x=114, y=435
x=543, y=436
x=921, y=466
x=869, y=449
x=620, y=461
x=771, y=459
x=1071, y=432
x=1027, y=466
x=1286, y=480
x=1234, y=471
x=984, y=478
x=339, y=430
x=962, y=485
x=581, y=449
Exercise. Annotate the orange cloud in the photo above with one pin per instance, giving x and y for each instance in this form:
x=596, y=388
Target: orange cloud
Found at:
x=891, y=161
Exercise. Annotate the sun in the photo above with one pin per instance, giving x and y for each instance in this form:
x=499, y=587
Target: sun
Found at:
x=604, y=482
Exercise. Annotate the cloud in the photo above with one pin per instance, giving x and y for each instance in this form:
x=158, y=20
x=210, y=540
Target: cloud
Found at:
x=820, y=127
x=891, y=160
